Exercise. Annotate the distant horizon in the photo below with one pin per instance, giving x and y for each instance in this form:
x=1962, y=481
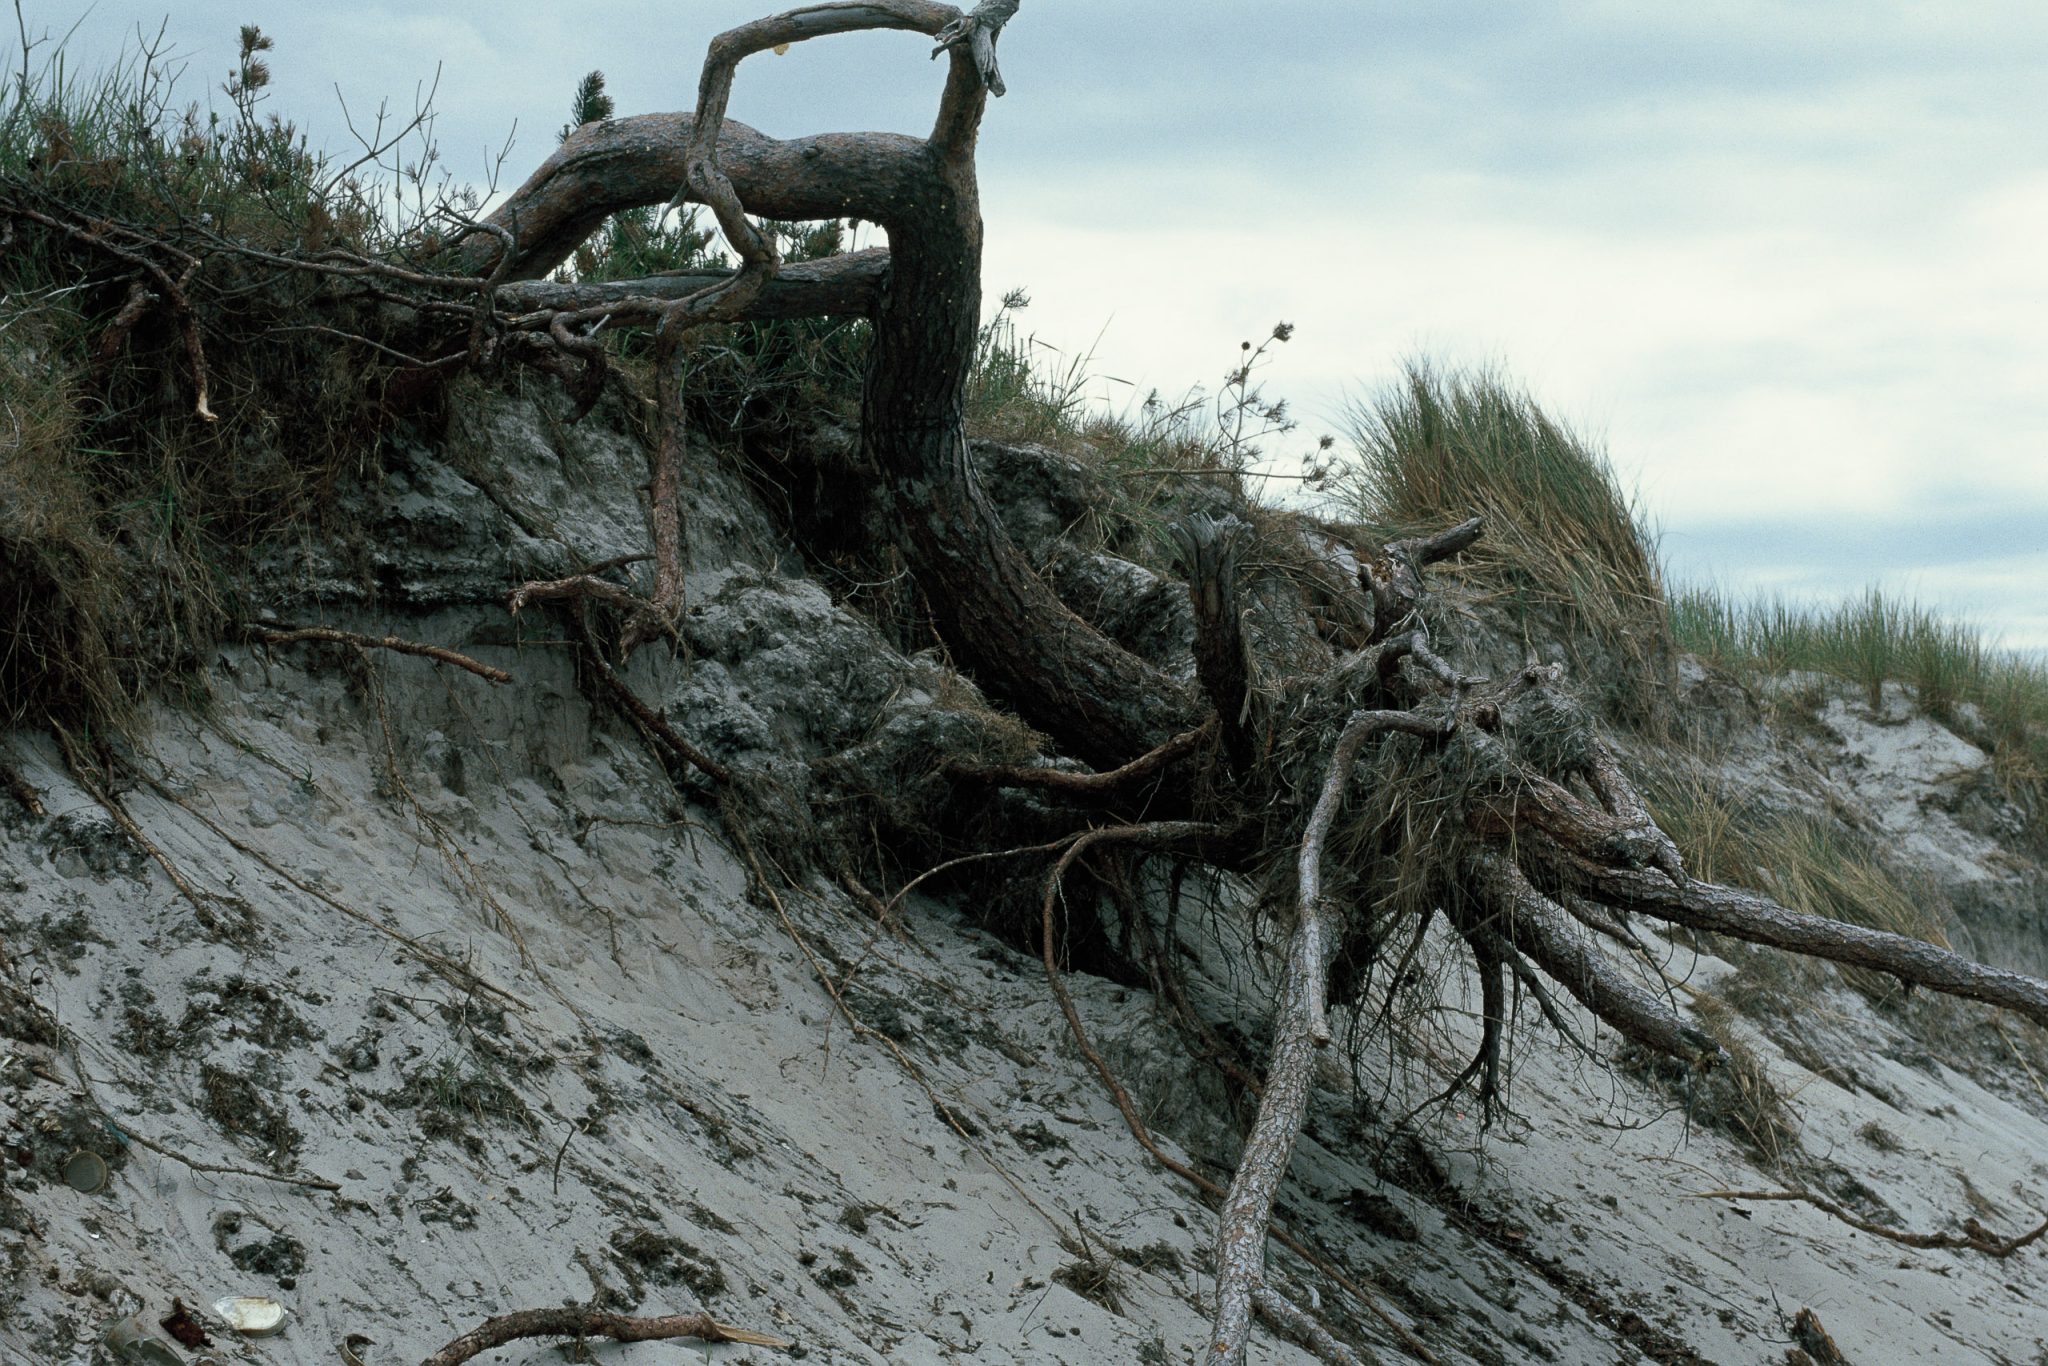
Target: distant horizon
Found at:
x=1781, y=265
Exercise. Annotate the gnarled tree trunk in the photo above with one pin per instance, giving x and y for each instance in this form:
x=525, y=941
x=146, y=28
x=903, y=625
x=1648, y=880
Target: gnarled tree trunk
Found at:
x=1532, y=874
x=1540, y=845
x=999, y=617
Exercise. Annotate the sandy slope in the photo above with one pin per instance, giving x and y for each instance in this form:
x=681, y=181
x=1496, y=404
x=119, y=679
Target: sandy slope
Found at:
x=624, y=1081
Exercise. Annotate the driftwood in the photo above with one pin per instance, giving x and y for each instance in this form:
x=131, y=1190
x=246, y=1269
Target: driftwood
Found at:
x=1974, y=1237
x=592, y=1323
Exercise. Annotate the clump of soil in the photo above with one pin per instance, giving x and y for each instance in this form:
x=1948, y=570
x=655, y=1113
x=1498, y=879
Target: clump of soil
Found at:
x=644, y=1255
x=452, y=1097
x=235, y=1103
x=1036, y=1138
x=246, y=1009
x=1380, y=1214
x=488, y=1033
x=58, y=1130
x=144, y=1030
x=711, y=1219
x=279, y=1257
x=23, y=1020
x=66, y=938
x=841, y=1275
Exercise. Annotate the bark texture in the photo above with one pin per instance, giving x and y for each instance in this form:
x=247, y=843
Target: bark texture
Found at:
x=993, y=610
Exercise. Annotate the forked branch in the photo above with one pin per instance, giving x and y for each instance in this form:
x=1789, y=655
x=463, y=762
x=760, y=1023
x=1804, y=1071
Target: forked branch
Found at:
x=1300, y=1029
x=705, y=179
x=1554, y=942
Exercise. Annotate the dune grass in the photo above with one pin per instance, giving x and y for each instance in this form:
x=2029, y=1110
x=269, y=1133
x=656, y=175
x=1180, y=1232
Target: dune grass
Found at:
x=1805, y=861
x=1995, y=698
x=1868, y=641
x=120, y=500
x=1563, y=541
x=124, y=512
x=127, y=514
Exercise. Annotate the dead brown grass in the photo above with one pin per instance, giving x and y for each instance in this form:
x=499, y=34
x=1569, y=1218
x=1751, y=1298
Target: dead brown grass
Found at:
x=60, y=606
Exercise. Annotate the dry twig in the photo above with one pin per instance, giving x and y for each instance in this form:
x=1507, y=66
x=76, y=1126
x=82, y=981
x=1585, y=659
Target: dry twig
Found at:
x=440, y=654
x=200, y=901
x=592, y=1323
x=457, y=974
x=1974, y=1237
x=129, y=1135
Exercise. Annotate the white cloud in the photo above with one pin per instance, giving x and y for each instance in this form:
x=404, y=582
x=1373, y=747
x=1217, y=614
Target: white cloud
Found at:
x=1784, y=255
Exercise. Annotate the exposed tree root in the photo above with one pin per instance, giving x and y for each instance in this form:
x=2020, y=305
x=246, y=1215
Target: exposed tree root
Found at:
x=1297, y=1324
x=1974, y=1237
x=838, y=285
x=140, y=253
x=1169, y=832
x=1554, y=943
x=1209, y=550
x=1300, y=1029
x=439, y=654
x=1759, y=920
x=203, y=903
x=1497, y=805
x=1814, y=1341
x=643, y=716
x=1102, y=785
x=1167, y=982
x=457, y=974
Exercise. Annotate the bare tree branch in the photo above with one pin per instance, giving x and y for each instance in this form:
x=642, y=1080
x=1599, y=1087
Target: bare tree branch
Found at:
x=592, y=1323
x=1974, y=1237
x=1092, y=784
x=845, y=285
x=328, y=635
x=1538, y=927
x=1300, y=1029
x=1759, y=920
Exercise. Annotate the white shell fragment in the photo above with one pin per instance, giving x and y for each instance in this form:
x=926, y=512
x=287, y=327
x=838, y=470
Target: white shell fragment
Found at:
x=255, y=1316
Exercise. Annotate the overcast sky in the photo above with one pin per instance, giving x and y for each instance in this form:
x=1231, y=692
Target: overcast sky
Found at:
x=1785, y=259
